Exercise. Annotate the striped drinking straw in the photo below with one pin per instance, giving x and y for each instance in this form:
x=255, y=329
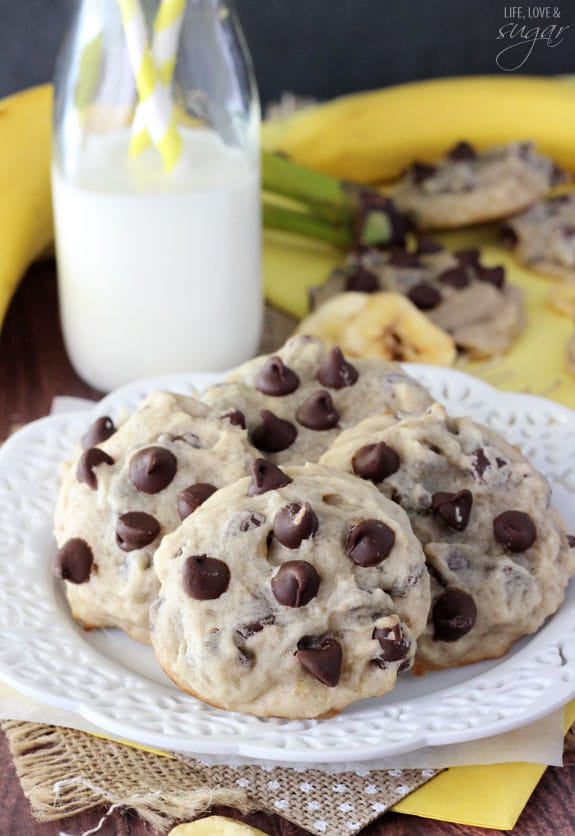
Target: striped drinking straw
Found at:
x=155, y=100
x=166, y=34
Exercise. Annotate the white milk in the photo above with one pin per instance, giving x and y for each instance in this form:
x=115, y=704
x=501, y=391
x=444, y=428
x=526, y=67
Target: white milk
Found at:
x=153, y=282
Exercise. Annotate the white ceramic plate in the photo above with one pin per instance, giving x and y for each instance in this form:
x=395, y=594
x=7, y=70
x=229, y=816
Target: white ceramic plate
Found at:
x=116, y=684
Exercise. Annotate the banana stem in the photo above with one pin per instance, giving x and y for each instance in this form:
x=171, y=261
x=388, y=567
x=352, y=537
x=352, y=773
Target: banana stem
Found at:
x=283, y=176
x=302, y=223
x=332, y=210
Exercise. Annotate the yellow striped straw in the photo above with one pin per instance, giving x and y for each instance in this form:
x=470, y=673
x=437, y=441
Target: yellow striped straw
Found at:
x=166, y=34
x=154, y=97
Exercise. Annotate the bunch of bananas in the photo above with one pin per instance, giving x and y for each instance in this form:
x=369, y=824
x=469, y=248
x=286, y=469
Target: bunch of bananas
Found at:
x=373, y=137
x=26, y=230
x=366, y=137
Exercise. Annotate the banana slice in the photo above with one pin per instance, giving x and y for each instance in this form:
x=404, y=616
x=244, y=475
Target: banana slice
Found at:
x=561, y=297
x=215, y=826
x=329, y=319
x=385, y=325
x=390, y=327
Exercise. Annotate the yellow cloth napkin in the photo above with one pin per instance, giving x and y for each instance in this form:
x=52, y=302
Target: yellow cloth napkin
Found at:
x=483, y=796
x=536, y=362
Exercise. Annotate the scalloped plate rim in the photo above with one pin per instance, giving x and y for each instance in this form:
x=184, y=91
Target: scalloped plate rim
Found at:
x=256, y=747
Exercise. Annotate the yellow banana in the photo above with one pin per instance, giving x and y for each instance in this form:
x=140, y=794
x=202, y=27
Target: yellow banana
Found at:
x=26, y=229
x=372, y=137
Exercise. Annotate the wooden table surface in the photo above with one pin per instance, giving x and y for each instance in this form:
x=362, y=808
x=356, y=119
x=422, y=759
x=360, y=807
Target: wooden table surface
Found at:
x=33, y=369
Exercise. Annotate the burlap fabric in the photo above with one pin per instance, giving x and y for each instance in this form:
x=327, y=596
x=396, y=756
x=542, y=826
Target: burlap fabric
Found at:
x=64, y=772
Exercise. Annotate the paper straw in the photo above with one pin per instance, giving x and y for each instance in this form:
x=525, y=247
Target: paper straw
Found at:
x=155, y=100
x=166, y=34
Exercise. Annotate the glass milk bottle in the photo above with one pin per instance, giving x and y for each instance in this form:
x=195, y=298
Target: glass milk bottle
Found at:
x=156, y=190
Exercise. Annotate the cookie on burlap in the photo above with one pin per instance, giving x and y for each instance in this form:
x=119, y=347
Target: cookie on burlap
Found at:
x=125, y=490
x=296, y=401
x=497, y=552
x=472, y=302
x=543, y=237
x=291, y=593
x=468, y=186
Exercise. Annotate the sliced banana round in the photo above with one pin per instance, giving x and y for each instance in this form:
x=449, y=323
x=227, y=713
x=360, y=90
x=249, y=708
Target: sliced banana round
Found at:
x=328, y=320
x=216, y=826
x=389, y=326
x=384, y=325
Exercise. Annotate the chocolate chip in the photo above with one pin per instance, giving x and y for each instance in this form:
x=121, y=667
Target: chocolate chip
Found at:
x=243, y=521
x=135, y=530
x=515, y=530
x=508, y=237
x=293, y=523
x=205, y=578
x=557, y=175
x=462, y=151
x=369, y=542
x=394, y=644
x=427, y=246
x=421, y=172
x=192, y=497
x=247, y=630
x=266, y=477
x=273, y=434
x=400, y=257
x=295, y=583
x=101, y=429
x=453, y=615
x=235, y=417
x=480, y=462
x=453, y=508
x=525, y=150
x=276, y=379
x=455, y=277
x=571, y=540
x=74, y=561
x=335, y=372
x=91, y=458
x=424, y=296
x=375, y=462
x=152, y=469
x=468, y=258
x=491, y=275
x=362, y=281
x=318, y=412
x=323, y=661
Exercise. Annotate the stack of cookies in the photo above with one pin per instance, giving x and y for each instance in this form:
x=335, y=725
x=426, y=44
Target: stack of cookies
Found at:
x=304, y=533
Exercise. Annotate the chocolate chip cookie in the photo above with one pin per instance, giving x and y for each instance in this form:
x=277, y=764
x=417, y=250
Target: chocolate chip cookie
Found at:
x=469, y=186
x=543, y=237
x=497, y=552
x=472, y=302
x=125, y=490
x=291, y=593
x=296, y=401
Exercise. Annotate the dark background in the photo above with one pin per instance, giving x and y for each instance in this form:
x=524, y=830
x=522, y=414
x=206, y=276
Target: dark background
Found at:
x=321, y=48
